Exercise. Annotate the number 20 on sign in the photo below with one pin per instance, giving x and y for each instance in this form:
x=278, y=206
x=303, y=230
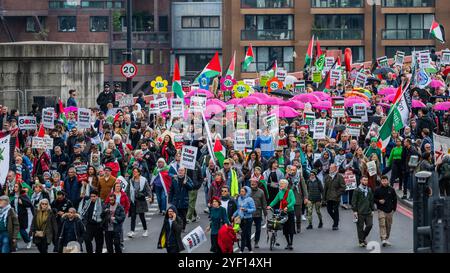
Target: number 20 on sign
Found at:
x=129, y=70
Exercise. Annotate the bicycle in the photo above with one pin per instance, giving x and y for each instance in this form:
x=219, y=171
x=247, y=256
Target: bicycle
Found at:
x=274, y=224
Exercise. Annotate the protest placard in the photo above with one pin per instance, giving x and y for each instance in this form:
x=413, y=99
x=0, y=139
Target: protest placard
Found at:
x=178, y=141
x=373, y=131
x=186, y=86
x=27, y=123
x=360, y=80
x=81, y=170
x=383, y=61
x=360, y=110
x=445, y=59
x=310, y=118
x=317, y=77
x=299, y=87
x=163, y=105
x=154, y=107
x=48, y=118
x=272, y=123
x=350, y=180
x=329, y=61
x=249, y=82
x=84, y=118
x=194, y=239
x=337, y=108
x=281, y=74
x=188, y=157
x=354, y=126
x=240, y=140
x=320, y=126
x=198, y=104
x=230, y=111
x=425, y=60
x=335, y=76
x=177, y=107
x=42, y=143
x=399, y=58
x=372, y=168
x=126, y=100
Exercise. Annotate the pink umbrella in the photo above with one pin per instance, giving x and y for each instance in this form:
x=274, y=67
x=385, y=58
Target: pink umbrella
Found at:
x=387, y=91
x=285, y=112
x=200, y=92
x=418, y=104
x=384, y=105
x=233, y=101
x=260, y=95
x=322, y=105
x=354, y=100
x=442, y=106
x=249, y=101
x=389, y=98
x=322, y=95
x=220, y=103
x=311, y=98
x=71, y=109
x=272, y=101
x=436, y=84
x=187, y=101
x=212, y=109
x=294, y=104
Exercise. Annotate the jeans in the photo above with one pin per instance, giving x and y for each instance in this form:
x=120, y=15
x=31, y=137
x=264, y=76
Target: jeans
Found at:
x=246, y=240
x=206, y=189
x=4, y=242
x=162, y=198
x=333, y=211
x=192, y=213
x=94, y=231
x=112, y=240
x=347, y=197
x=24, y=235
x=257, y=221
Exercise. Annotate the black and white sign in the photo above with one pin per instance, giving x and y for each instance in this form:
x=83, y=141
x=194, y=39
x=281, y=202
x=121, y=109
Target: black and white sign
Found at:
x=194, y=239
x=129, y=70
x=445, y=59
x=27, y=123
x=154, y=107
x=84, y=118
x=42, y=143
x=281, y=74
x=320, y=126
x=240, y=141
x=163, y=105
x=360, y=110
x=48, y=118
x=399, y=58
x=188, y=157
x=372, y=168
x=177, y=107
x=360, y=80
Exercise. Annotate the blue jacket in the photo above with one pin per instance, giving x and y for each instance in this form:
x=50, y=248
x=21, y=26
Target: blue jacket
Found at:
x=71, y=102
x=247, y=203
x=179, y=192
x=266, y=144
x=72, y=189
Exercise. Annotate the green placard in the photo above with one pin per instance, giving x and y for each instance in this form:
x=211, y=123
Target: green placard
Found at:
x=263, y=80
x=317, y=77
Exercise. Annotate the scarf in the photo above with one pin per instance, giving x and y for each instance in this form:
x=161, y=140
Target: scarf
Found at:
x=364, y=189
x=133, y=190
x=35, y=197
x=164, y=153
x=4, y=213
x=41, y=219
x=96, y=214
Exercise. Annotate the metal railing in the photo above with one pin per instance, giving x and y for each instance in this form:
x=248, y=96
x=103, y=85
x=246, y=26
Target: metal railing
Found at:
x=337, y=3
x=339, y=34
x=405, y=34
x=156, y=37
x=266, y=4
x=263, y=66
x=63, y=4
x=408, y=3
x=267, y=34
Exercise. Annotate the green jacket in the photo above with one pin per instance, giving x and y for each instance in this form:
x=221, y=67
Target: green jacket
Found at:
x=290, y=199
x=396, y=154
x=361, y=204
x=334, y=188
x=370, y=151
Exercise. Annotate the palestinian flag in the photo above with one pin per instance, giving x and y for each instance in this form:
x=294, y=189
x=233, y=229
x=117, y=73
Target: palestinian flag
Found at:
x=397, y=118
x=249, y=58
x=437, y=31
x=176, y=81
x=166, y=182
x=230, y=71
x=320, y=57
x=212, y=69
x=219, y=152
x=273, y=71
x=309, y=52
x=62, y=114
x=41, y=132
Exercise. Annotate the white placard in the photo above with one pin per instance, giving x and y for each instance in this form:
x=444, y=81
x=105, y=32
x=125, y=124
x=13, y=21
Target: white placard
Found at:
x=84, y=118
x=320, y=127
x=335, y=76
x=154, y=107
x=4, y=163
x=329, y=61
x=360, y=110
x=194, y=239
x=338, y=107
x=177, y=107
x=350, y=181
x=383, y=61
x=42, y=143
x=310, y=118
x=281, y=74
x=425, y=60
x=399, y=58
x=250, y=82
x=188, y=157
x=272, y=123
x=48, y=118
x=240, y=141
x=27, y=123
x=445, y=59
x=126, y=100
x=163, y=105
x=372, y=168
x=360, y=80
x=198, y=104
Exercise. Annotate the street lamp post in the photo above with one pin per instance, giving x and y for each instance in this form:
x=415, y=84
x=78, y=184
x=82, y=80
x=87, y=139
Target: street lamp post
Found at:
x=129, y=40
x=374, y=32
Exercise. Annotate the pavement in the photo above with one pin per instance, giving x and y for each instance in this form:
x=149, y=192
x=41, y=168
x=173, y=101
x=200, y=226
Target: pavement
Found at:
x=323, y=240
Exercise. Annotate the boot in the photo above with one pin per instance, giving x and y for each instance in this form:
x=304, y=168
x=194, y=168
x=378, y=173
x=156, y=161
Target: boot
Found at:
x=310, y=226
x=299, y=228
x=320, y=224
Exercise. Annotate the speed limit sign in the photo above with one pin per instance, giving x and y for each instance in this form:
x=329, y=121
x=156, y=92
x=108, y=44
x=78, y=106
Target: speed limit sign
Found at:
x=129, y=70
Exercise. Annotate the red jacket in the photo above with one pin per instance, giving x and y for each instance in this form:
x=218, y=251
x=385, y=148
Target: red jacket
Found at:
x=115, y=168
x=226, y=238
x=124, y=201
x=44, y=160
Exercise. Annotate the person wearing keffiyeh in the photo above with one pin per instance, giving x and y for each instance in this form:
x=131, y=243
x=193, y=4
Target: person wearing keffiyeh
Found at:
x=363, y=207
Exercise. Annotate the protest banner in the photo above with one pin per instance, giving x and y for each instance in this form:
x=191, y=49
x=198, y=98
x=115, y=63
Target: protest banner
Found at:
x=299, y=87
x=441, y=147
x=383, y=61
x=374, y=131
x=194, y=239
x=45, y=143
x=354, y=126
x=320, y=126
x=337, y=108
x=5, y=152
x=126, y=100
x=272, y=123
x=360, y=80
x=445, y=59
x=350, y=180
x=317, y=77
x=188, y=157
x=240, y=140
x=310, y=118
x=163, y=105
x=281, y=74
x=178, y=141
x=360, y=110
x=84, y=118
x=186, y=86
x=48, y=118
x=177, y=108
x=335, y=76
x=329, y=61
x=372, y=168
x=154, y=107
x=198, y=104
x=81, y=170
x=399, y=58
x=27, y=123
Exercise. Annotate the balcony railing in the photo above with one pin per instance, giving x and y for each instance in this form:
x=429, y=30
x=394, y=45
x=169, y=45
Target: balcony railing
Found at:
x=63, y=4
x=337, y=3
x=339, y=34
x=266, y=4
x=267, y=34
x=408, y=3
x=405, y=34
x=263, y=66
x=155, y=37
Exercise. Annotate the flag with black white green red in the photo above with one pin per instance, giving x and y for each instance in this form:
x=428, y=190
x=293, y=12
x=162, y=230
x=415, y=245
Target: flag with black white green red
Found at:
x=177, y=88
x=437, y=31
x=309, y=52
x=273, y=71
x=219, y=152
x=212, y=69
x=231, y=68
x=249, y=58
x=62, y=114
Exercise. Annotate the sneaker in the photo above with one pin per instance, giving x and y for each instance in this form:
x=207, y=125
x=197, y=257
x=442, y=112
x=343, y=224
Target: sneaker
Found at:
x=145, y=234
x=362, y=245
x=335, y=228
x=188, y=221
x=404, y=197
x=206, y=210
x=256, y=245
x=291, y=247
x=388, y=243
x=251, y=251
x=163, y=213
x=130, y=234
x=239, y=251
x=383, y=243
x=303, y=218
x=287, y=247
x=344, y=206
x=29, y=245
x=197, y=218
x=309, y=226
x=320, y=225
x=265, y=226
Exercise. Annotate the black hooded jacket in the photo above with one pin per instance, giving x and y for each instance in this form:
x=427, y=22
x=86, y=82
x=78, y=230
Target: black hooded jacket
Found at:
x=170, y=236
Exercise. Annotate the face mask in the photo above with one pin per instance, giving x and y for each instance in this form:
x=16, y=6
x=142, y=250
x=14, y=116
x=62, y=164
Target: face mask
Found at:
x=48, y=184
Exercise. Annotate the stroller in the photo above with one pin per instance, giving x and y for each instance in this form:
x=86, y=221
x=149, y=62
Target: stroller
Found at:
x=274, y=224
